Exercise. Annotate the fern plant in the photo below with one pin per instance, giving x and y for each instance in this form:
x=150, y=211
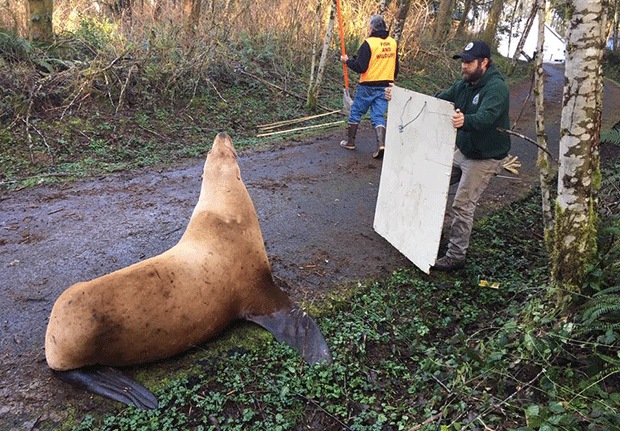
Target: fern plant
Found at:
x=604, y=307
x=611, y=136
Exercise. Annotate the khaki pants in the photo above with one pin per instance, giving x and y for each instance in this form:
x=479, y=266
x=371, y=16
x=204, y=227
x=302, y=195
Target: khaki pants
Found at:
x=473, y=177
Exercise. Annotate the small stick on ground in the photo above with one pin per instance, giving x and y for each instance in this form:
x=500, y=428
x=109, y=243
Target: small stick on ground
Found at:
x=426, y=422
x=260, y=135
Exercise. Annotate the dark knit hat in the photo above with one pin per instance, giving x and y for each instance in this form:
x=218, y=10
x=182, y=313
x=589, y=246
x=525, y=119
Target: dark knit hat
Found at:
x=377, y=23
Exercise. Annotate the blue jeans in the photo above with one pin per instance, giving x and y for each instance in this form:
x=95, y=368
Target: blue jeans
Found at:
x=369, y=97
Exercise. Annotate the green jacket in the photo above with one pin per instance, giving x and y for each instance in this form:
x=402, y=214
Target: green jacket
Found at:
x=485, y=106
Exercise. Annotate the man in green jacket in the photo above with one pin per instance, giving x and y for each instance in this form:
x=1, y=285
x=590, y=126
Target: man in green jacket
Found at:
x=481, y=101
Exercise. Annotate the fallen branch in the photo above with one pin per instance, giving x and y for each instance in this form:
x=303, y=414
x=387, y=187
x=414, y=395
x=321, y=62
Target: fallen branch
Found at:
x=109, y=66
x=49, y=149
x=77, y=94
x=447, y=389
x=216, y=91
x=265, y=127
x=426, y=422
x=519, y=135
x=153, y=132
x=50, y=175
x=260, y=135
x=322, y=409
x=26, y=121
x=121, y=98
x=90, y=74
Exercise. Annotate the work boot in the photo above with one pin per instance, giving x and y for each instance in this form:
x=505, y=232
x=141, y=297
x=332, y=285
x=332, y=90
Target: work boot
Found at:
x=380, y=133
x=448, y=263
x=349, y=144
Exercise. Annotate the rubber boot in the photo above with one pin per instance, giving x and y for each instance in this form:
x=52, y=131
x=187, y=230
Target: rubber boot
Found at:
x=349, y=144
x=380, y=133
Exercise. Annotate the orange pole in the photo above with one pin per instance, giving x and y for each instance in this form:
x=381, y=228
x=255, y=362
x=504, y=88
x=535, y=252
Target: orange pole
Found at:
x=344, y=65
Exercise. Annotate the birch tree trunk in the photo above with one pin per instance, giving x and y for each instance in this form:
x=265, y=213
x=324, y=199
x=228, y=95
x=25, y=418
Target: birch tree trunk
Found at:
x=579, y=177
x=490, y=30
x=40, y=20
x=383, y=6
x=518, y=5
x=314, y=88
x=526, y=31
x=543, y=158
x=315, y=42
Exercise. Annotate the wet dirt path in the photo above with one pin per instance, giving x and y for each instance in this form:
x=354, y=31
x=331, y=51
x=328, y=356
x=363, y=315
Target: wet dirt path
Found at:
x=315, y=202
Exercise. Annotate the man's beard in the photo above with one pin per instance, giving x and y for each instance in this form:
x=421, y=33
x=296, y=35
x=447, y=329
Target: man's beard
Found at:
x=475, y=75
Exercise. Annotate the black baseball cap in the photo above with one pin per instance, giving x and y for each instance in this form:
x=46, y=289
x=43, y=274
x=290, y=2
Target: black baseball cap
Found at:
x=473, y=50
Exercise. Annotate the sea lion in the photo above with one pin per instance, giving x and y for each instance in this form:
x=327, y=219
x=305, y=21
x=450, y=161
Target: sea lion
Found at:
x=218, y=272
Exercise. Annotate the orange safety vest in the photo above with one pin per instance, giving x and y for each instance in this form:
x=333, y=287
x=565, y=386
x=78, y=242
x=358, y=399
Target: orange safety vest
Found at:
x=382, y=64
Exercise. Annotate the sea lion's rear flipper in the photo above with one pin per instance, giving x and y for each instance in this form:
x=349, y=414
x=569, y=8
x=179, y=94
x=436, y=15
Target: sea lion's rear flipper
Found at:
x=295, y=328
x=110, y=383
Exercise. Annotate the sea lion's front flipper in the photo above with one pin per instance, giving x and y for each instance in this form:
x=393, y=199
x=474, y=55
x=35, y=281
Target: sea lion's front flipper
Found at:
x=296, y=328
x=110, y=383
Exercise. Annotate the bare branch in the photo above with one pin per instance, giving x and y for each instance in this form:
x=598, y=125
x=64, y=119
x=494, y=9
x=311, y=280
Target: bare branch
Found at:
x=519, y=135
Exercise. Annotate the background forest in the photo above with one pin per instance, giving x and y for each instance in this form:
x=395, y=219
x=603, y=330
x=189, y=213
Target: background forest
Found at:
x=88, y=88
x=137, y=62
x=186, y=62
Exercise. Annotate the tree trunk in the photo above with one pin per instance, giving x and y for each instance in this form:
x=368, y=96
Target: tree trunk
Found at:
x=311, y=96
x=579, y=177
x=463, y=21
x=491, y=28
x=518, y=5
x=444, y=20
x=615, y=38
x=401, y=17
x=192, y=14
x=526, y=31
x=157, y=9
x=383, y=6
x=543, y=159
x=226, y=26
x=121, y=9
x=40, y=20
x=313, y=90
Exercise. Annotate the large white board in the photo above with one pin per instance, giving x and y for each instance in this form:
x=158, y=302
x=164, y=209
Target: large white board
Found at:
x=415, y=176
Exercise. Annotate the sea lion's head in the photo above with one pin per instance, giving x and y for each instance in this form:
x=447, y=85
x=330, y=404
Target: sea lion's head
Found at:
x=222, y=158
x=222, y=147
